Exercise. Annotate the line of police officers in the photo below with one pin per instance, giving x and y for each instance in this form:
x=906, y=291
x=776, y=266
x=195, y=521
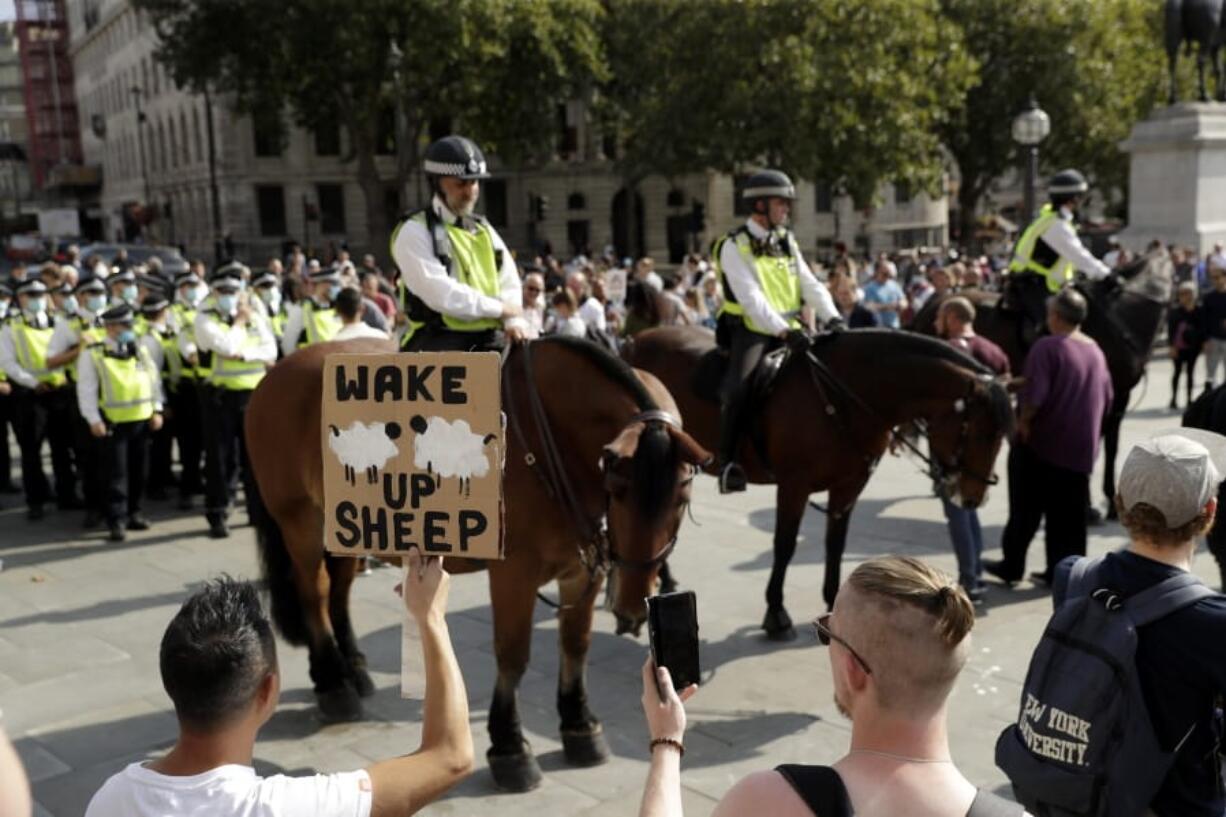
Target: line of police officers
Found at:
x=113, y=374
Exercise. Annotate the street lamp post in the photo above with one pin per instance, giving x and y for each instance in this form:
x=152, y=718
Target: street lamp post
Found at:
x=1030, y=127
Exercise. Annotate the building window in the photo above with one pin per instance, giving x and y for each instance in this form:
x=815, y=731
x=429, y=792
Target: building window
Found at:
x=902, y=192
x=331, y=207
x=174, y=143
x=576, y=201
x=568, y=134
x=385, y=136
x=823, y=197
x=391, y=205
x=740, y=207
x=270, y=201
x=196, y=134
x=494, y=194
x=269, y=132
x=328, y=139
x=676, y=198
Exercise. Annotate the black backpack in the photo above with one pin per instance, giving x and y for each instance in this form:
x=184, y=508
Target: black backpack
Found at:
x=1083, y=744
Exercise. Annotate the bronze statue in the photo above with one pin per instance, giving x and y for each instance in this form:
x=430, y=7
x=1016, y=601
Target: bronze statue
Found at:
x=1200, y=22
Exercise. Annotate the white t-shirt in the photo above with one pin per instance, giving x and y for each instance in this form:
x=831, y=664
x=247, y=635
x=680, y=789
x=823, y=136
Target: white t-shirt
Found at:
x=359, y=330
x=231, y=791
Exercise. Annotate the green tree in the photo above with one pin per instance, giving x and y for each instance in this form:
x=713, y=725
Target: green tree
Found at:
x=1095, y=66
x=495, y=69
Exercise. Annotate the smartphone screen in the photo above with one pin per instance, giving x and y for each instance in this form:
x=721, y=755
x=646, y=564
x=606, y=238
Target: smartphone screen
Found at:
x=672, y=625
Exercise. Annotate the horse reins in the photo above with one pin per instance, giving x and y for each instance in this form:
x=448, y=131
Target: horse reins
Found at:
x=596, y=549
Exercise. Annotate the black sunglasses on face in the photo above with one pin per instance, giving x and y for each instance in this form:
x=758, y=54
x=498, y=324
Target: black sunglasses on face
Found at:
x=825, y=636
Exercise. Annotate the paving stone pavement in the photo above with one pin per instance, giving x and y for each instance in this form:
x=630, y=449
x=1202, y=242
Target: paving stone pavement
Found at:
x=80, y=622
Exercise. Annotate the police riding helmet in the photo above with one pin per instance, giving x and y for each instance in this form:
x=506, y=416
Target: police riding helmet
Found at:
x=455, y=156
x=765, y=185
x=1066, y=186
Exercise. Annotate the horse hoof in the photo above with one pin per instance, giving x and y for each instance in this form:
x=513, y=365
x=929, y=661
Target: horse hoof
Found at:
x=339, y=705
x=515, y=773
x=587, y=748
x=778, y=625
x=362, y=682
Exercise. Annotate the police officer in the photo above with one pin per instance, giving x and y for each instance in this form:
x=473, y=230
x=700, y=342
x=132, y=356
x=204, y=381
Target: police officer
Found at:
x=1049, y=251
x=119, y=394
x=184, y=391
x=766, y=281
x=122, y=288
x=43, y=400
x=314, y=320
x=6, y=402
x=267, y=287
x=156, y=336
x=458, y=282
x=74, y=331
x=236, y=346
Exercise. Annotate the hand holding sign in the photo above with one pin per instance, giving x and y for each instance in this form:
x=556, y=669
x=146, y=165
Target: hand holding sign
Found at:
x=425, y=586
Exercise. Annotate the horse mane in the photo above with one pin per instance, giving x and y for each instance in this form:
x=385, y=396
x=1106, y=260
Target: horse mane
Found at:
x=654, y=473
x=616, y=369
x=923, y=346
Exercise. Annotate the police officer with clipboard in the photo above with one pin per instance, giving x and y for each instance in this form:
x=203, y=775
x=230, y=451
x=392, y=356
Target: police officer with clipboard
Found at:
x=458, y=282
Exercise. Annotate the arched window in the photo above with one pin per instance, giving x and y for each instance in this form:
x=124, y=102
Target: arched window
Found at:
x=576, y=201
x=173, y=159
x=186, y=155
x=676, y=198
x=196, y=134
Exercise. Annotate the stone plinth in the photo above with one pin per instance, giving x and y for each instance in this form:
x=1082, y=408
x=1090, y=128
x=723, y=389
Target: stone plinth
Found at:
x=1177, y=179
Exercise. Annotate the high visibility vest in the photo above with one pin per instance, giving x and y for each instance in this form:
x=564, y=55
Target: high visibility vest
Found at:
x=172, y=361
x=30, y=344
x=470, y=258
x=88, y=333
x=126, y=385
x=1061, y=270
x=235, y=375
x=776, y=274
x=278, y=320
x=318, y=324
x=185, y=320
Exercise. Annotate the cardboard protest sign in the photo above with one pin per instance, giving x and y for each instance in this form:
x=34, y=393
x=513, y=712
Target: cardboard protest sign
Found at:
x=413, y=450
x=615, y=286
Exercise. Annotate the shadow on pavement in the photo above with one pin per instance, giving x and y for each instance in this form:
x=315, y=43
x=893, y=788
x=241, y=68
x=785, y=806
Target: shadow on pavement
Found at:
x=105, y=609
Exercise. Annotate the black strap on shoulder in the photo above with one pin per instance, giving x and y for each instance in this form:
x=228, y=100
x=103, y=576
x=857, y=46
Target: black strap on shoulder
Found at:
x=1166, y=597
x=987, y=804
x=820, y=787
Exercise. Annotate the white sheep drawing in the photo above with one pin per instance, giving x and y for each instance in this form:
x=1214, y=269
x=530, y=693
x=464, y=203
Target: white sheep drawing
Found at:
x=450, y=449
x=365, y=447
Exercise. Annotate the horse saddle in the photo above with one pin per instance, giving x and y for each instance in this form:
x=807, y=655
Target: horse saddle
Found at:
x=708, y=375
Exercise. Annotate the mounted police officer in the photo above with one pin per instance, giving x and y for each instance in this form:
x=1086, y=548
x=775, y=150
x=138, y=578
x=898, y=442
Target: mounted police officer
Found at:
x=119, y=394
x=1049, y=252
x=458, y=282
x=74, y=331
x=766, y=281
x=184, y=390
x=43, y=402
x=314, y=320
x=236, y=347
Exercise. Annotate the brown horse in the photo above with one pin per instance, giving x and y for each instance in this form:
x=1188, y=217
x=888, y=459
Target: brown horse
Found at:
x=590, y=443
x=1123, y=319
x=828, y=419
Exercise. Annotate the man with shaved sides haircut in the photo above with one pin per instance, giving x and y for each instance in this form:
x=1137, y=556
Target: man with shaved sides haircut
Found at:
x=898, y=637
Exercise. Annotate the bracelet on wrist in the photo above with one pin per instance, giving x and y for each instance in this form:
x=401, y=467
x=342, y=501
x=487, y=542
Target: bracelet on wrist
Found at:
x=671, y=742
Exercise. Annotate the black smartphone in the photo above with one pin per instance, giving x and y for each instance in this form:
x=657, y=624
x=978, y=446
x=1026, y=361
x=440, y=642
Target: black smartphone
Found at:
x=672, y=626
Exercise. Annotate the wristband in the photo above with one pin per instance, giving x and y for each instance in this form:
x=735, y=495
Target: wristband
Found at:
x=676, y=744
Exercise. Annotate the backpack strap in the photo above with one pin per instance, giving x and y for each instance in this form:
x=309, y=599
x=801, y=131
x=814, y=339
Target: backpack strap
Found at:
x=1081, y=578
x=1164, y=598
x=987, y=804
x=820, y=787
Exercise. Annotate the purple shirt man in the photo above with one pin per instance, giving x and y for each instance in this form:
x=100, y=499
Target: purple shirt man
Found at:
x=1069, y=387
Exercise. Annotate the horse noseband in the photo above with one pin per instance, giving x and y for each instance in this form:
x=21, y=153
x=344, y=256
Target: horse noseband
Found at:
x=656, y=416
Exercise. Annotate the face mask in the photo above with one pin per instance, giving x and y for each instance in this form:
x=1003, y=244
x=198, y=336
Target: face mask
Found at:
x=126, y=337
x=227, y=303
x=192, y=295
x=95, y=303
x=333, y=291
x=271, y=296
x=69, y=306
x=4, y=309
x=36, y=306
x=129, y=293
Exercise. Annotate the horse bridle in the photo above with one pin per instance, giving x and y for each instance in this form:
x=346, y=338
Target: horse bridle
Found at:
x=935, y=469
x=597, y=552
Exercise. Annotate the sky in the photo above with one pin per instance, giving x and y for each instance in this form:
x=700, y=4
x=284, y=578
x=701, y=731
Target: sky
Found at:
x=7, y=12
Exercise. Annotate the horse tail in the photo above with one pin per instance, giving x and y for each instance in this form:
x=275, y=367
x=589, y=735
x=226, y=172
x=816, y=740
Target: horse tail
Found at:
x=278, y=567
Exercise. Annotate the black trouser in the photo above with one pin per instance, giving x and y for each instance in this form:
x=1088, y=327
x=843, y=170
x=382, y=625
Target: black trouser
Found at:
x=90, y=467
x=124, y=452
x=1185, y=362
x=1041, y=491
x=188, y=428
x=48, y=416
x=746, y=349
x=161, y=450
x=1027, y=293
x=225, y=450
x=440, y=339
x=7, y=410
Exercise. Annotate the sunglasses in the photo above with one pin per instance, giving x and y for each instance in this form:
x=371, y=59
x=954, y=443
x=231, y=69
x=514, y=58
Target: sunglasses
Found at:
x=825, y=636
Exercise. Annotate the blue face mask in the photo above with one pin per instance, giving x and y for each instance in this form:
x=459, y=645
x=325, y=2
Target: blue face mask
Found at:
x=333, y=291
x=271, y=296
x=36, y=306
x=129, y=293
x=227, y=303
x=69, y=305
x=126, y=337
x=95, y=303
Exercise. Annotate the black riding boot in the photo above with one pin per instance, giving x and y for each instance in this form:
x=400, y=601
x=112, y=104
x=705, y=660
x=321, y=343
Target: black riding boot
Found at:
x=731, y=475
